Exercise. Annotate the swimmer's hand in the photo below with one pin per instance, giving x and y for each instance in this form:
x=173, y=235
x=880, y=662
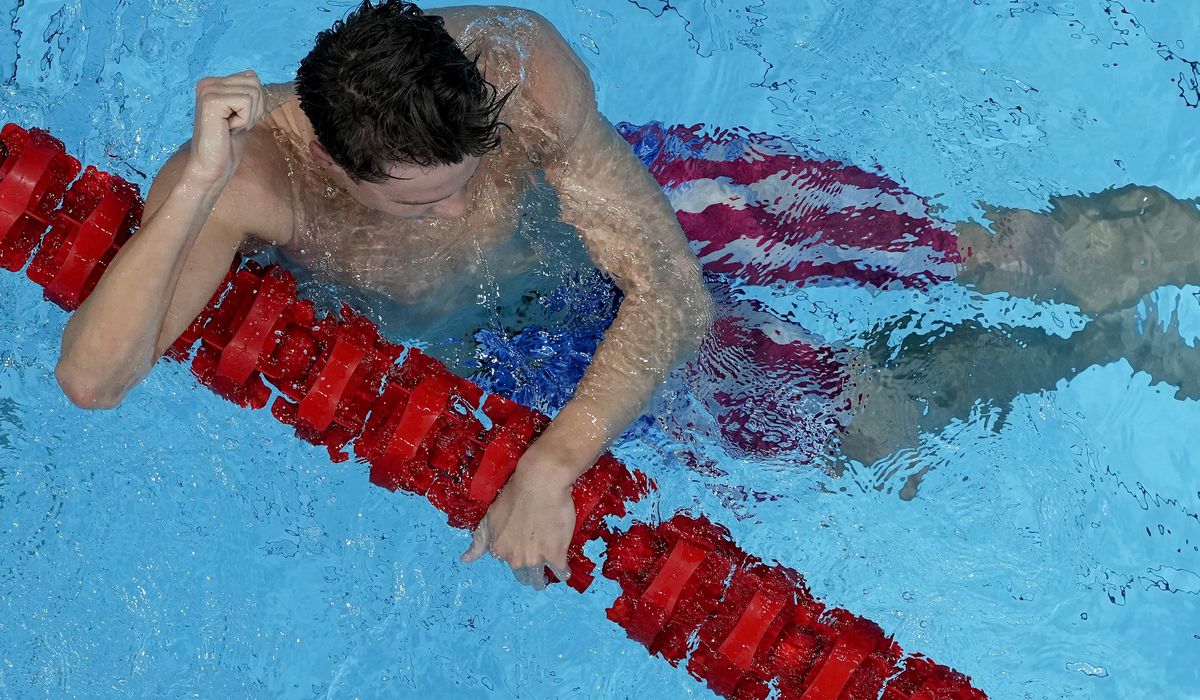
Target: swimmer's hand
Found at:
x=226, y=109
x=531, y=522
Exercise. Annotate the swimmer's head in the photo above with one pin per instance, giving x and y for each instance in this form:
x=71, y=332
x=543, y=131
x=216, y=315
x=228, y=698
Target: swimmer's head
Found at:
x=399, y=111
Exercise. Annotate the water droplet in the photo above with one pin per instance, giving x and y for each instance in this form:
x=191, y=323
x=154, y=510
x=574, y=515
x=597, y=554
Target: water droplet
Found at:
x=1083, y=667
x=589, y=43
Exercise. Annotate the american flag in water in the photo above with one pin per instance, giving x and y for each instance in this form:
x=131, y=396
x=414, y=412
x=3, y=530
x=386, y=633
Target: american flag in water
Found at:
x=758, y=212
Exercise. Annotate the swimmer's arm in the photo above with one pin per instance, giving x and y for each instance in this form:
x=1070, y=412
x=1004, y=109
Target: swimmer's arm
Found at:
x=201, y=202
x=631, y=233
x=164, y=274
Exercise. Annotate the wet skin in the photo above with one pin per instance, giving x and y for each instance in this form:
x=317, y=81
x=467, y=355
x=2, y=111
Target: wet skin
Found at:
x=254, y=174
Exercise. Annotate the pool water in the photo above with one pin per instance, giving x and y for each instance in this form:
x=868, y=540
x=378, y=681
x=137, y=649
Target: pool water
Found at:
x=182, y=547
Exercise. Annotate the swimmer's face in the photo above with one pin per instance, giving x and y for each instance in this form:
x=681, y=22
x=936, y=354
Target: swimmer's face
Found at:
x=411, y=191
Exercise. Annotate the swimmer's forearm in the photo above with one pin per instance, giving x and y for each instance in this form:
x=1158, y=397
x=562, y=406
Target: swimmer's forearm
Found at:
x=648, y=338
x=113, y=340
x=632, y=233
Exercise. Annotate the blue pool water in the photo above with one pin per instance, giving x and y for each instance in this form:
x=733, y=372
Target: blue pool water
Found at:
x=182, y=547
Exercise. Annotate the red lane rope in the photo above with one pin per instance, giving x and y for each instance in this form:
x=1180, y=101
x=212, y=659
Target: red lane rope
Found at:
x=747, y=628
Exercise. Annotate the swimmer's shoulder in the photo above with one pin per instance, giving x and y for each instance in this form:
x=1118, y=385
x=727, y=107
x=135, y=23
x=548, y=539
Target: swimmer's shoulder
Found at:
x=461, y=21
x=262, y=188
x=257, y=200
x=541, y=43
x=553, y=81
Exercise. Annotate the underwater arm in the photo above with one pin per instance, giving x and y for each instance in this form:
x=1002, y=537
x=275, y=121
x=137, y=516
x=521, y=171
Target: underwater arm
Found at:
x=631, y=233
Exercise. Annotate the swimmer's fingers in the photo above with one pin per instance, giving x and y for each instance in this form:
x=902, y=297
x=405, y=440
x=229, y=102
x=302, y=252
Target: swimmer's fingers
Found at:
x=236, y=108
x=249, y=81
x=245, y=79
x=480, y=540
x=216, y=96
x=226, y=109
x=257, y=102
x=561, y=571
x=532, y=576
x=213, y=85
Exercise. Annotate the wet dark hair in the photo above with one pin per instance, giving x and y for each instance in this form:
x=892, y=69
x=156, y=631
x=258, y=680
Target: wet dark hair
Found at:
x=388, y=85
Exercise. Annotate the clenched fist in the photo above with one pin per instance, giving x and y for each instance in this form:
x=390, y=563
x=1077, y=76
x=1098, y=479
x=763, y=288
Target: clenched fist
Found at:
x=226, y=109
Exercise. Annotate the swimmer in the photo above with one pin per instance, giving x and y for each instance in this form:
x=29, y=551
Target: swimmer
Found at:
x=397, y=161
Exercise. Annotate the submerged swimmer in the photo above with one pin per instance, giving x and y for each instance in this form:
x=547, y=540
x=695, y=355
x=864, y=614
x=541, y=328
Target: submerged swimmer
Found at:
x=397, y=161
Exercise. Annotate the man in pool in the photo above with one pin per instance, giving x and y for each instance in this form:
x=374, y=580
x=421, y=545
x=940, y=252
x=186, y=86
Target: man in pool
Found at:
x=397, y=161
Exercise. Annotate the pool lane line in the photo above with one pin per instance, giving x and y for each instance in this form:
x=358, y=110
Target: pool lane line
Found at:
x=748, y=628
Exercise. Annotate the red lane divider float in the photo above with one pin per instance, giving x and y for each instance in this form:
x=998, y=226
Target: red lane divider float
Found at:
x=752, y=629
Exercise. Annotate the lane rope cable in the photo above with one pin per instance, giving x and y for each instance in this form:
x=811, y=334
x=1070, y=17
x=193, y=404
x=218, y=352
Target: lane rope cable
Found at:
x=689, y=593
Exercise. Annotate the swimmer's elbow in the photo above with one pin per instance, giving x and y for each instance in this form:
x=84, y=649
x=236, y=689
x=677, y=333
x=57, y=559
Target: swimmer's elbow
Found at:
x=85, y=389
